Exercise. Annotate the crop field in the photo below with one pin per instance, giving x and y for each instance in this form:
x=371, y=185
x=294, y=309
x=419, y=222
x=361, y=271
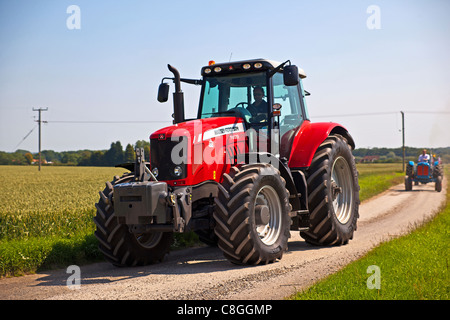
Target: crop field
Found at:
x=46, y=214
x=46, y=217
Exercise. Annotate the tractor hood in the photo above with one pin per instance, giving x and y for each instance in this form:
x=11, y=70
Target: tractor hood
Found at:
x=201, y=129
x=192, y=152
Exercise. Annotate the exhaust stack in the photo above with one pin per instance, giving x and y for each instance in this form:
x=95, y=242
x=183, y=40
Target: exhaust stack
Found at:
x=178, y=99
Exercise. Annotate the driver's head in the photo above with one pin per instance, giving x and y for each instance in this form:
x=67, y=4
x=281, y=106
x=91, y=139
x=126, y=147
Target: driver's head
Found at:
x=258, y=93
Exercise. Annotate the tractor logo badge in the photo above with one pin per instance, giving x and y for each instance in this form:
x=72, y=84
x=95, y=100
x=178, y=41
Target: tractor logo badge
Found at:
x=162, y=136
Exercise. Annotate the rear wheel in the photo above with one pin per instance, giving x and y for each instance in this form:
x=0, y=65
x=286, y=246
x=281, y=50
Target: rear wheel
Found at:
x=117, y=243
x=333, y=194
x=252, y=214
x=408, y=183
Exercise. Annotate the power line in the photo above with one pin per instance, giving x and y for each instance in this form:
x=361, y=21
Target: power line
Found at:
x=25, y=137
x=379, y=114
x=357, y=114
x=103, y=122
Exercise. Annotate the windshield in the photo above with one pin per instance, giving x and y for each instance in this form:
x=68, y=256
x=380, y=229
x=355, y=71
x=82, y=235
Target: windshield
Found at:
x=243, y=95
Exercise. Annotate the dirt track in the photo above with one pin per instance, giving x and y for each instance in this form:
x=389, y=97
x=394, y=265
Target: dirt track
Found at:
x=203, y=273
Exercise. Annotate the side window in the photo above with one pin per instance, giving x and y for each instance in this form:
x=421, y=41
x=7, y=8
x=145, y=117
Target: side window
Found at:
x=210, y=100
x=291, y=116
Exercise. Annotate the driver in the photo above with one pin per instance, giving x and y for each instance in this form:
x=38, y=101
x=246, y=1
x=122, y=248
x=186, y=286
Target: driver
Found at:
x=424, y=157
x=258, y=109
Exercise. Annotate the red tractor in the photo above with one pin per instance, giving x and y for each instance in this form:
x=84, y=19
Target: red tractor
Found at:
x=249, y=169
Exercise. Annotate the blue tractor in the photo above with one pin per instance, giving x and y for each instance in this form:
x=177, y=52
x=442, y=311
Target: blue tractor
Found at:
x=424, y=172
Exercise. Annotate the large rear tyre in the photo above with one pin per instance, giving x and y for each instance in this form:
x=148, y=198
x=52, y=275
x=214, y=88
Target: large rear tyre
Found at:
x=333, y=194
x=408, y=183
x=117, y=243
x=252, y=214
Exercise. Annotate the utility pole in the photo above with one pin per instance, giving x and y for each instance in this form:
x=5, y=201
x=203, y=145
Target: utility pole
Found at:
x=39, y=122
x=403, y=139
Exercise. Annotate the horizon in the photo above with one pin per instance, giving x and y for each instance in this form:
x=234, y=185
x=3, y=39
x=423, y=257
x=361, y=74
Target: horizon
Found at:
x=133, y=144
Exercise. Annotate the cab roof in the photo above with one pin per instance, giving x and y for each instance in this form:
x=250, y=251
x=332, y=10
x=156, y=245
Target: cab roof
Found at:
x=244, y=66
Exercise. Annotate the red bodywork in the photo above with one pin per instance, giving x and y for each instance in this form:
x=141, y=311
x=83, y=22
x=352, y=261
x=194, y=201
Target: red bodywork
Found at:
x=308, y=139
x=214, y=143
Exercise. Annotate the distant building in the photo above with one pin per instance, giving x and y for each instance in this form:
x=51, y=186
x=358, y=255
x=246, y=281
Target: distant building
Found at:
x=370, y=159
x=36, y=161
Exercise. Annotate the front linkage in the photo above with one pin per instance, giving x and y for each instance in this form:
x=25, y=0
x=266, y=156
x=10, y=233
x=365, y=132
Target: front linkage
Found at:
x=148, y=205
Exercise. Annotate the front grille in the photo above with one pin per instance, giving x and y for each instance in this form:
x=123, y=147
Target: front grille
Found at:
x=422, y=170
x=161, y=154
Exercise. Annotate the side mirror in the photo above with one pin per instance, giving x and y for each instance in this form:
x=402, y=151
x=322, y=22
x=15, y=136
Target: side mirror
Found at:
x=163, y=92
x=290, y=75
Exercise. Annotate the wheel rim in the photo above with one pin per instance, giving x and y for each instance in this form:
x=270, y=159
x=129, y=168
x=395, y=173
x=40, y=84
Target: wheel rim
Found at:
x=269, y=233
x=149, y=240
x=342, y=190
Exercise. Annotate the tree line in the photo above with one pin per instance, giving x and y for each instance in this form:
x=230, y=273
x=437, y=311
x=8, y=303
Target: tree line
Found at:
x=116, y=154
x=396, y=154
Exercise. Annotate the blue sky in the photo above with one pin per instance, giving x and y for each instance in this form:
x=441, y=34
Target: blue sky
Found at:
x=109, y=70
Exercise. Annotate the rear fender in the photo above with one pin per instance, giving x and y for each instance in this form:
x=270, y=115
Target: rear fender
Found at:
x=308, y=139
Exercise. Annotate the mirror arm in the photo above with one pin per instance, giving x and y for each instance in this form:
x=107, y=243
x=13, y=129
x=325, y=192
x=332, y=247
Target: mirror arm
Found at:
x=197, y=82
x=278, y=68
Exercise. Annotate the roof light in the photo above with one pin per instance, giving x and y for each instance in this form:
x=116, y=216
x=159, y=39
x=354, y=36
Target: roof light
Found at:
x=211, y=62
x=230, y=68
x=246, y=66
x=207, y=70
x=258, y=65
x=217, y=69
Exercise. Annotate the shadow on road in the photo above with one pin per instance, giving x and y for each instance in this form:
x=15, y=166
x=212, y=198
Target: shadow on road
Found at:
x=185, y=261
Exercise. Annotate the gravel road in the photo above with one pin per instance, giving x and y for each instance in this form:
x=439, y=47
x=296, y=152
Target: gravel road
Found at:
x=203, y=273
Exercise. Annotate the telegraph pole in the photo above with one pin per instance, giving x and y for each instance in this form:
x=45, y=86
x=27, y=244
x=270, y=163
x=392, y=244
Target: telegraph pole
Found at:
x=403, y=139
x=39, y=122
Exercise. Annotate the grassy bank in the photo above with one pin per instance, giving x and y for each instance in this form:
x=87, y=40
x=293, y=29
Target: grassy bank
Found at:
x=46, y=217
x=411, y=267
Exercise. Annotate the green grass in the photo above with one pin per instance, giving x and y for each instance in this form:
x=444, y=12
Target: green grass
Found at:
x=375, y=178
x=411, y=267
x=46, y=217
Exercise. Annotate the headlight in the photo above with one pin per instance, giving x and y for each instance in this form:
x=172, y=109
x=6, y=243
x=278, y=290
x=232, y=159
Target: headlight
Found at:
x=177, y=171
x=155, y=172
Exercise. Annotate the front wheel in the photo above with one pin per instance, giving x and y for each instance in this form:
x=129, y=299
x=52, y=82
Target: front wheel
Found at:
x=333, y=194
x=438, y=184
x=252, y=214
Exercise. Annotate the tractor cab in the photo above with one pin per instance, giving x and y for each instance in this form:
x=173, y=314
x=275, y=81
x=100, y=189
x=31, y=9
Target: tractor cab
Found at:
x=266, y=94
